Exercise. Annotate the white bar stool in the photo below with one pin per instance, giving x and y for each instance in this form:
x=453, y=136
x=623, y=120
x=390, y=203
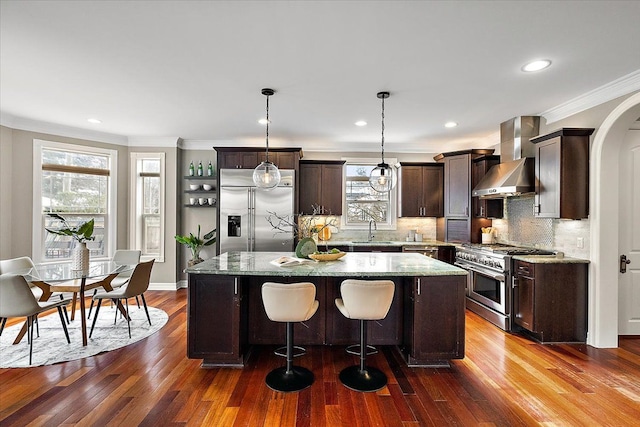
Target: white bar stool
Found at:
x=289, y=302
x=364, y=300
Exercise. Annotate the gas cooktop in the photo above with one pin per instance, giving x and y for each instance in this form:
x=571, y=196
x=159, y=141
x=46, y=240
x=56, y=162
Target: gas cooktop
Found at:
x=499, y=248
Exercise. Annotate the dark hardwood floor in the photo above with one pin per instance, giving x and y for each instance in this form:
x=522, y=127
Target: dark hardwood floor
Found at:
x=504, y=380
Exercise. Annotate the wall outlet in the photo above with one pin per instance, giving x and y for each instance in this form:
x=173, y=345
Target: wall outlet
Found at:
x=580, y=243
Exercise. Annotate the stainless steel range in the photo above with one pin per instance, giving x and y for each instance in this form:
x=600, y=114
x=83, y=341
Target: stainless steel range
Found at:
x=489, y=289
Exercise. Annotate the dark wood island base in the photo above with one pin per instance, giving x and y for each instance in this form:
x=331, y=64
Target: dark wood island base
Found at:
x=226, y=317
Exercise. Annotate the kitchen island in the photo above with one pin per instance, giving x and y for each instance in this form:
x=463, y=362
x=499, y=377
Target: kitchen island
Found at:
x=226, y=316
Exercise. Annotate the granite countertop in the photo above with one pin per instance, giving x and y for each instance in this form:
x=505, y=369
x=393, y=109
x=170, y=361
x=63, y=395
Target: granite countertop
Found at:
x=352, y=264
x=336, y=242
x=550, y=259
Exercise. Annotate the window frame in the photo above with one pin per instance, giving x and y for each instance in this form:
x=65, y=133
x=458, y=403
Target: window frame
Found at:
x=136, y=225
x=111, y=217
x=391, y=224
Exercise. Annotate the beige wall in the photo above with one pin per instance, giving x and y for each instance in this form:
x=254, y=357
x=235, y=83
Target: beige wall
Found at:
x=6, y=191
x=16, y=201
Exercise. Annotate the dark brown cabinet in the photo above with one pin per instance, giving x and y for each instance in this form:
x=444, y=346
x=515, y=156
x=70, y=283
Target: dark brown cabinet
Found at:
x=321, y=185
x=550, y=300
x=562, y=174
x=249, y=158
x=421, y=189
x=459, y=224
x=485, y=208
x=216, y=300
x=238, y=160
x=434, y=319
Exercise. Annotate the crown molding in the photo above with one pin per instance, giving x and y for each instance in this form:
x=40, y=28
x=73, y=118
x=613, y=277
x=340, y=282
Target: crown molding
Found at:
x=620, y=87
x=30, y=125
x=154, y=141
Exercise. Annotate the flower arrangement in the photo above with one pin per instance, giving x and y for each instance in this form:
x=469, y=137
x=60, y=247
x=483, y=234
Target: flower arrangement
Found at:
x=305, y=227
x=81, y=233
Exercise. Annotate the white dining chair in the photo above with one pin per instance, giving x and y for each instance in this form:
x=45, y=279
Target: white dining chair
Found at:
x=17, y=300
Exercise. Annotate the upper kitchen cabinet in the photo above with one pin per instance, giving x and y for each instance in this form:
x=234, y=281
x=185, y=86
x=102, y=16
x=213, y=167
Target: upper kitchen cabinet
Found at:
x=458, y=223
x=562, y=173
x=249, y=158
x=321, y=185
x=421, y=189
x=485, y=208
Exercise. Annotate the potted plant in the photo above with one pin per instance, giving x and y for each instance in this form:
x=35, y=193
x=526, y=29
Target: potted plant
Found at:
x=195, y=244
x=81, y=234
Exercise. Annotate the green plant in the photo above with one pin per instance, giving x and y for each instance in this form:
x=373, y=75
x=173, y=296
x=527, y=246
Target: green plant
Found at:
x=81, y=233
x=195, y=243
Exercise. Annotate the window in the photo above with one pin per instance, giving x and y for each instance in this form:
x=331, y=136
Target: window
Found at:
x=147, y=204
x=78, y=183
x=363, y=203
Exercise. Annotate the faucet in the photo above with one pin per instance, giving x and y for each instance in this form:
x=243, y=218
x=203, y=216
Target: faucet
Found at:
x=375, y=227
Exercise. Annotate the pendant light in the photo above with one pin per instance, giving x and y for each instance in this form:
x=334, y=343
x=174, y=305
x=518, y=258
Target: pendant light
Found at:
x=383, y=176
x=266, y=175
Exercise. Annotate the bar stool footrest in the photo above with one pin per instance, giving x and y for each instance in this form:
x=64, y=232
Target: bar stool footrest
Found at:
x=371, y=379
x=355, y=349
x=298, y=378
x=297, y=351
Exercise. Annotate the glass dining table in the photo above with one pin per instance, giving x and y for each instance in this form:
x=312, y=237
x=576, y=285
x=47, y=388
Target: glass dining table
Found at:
x=60, y=277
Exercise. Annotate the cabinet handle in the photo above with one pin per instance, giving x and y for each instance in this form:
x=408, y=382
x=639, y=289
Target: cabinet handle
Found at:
x=235, y=286
x=514, y=282
x=481, y=210
x=536, y=209
x=418, y=286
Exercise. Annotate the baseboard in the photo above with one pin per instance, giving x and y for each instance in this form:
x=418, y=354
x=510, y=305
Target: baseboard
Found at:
x=163, y=286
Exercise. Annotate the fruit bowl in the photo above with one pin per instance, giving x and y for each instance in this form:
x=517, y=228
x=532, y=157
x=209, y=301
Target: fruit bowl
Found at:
x=327, y=257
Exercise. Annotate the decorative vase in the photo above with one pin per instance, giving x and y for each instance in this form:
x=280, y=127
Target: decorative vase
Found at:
x=195, y=257
x=80, y=257
x=306, y=247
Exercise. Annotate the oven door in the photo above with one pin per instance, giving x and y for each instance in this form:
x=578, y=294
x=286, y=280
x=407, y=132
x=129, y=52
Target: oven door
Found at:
x=488, y=288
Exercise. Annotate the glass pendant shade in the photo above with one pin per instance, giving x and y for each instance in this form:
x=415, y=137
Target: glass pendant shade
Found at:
x=382, y=178
x=266, y=175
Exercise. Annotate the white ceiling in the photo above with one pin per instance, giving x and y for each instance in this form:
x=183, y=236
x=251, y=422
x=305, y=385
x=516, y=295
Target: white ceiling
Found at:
x=194, y=69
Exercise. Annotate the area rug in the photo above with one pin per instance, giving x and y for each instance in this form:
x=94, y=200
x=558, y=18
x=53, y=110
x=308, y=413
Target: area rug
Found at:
x=52, y=347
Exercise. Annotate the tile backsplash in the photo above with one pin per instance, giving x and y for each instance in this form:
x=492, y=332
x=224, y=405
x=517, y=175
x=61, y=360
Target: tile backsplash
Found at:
x=520, y=227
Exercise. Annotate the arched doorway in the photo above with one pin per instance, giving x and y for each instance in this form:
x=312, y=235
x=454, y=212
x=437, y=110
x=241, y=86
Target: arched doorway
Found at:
x=603, y=270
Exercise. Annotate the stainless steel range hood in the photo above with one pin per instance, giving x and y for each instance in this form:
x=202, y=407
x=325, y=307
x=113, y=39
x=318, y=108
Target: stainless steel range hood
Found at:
x=515, y=174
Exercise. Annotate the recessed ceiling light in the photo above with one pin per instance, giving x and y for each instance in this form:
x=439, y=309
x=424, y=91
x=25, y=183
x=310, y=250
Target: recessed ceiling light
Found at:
x=537, y=65
x=450, y=124
x=360, y=123
x=94, y=121
x=264, y=121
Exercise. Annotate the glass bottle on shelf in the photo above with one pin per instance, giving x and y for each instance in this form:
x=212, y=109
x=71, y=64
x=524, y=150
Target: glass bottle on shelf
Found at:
x=200, y=169
x=192, y=170
x=210, y=169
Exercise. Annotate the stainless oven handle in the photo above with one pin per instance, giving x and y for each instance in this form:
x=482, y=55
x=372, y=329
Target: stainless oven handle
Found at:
x=499, y=277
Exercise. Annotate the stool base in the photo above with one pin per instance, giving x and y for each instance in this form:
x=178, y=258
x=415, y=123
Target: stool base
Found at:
x=298, y=378
x=371, y=379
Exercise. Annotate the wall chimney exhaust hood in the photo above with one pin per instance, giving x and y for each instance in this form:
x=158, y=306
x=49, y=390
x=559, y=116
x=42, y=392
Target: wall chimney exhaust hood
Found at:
x=515, y=174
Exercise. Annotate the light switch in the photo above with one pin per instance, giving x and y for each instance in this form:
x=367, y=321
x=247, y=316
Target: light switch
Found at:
x=580, y=242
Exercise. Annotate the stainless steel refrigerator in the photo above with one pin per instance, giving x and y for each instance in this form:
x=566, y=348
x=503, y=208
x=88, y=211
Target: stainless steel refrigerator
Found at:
x=244, y=209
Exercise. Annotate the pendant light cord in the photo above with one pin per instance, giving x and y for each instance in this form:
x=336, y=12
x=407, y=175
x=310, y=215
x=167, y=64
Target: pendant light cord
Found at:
x=382, y=155
x=267, y=151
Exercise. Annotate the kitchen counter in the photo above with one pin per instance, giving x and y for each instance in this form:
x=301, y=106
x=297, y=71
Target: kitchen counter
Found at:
x=226, y=317
x=353, y=264
x=550, y=259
